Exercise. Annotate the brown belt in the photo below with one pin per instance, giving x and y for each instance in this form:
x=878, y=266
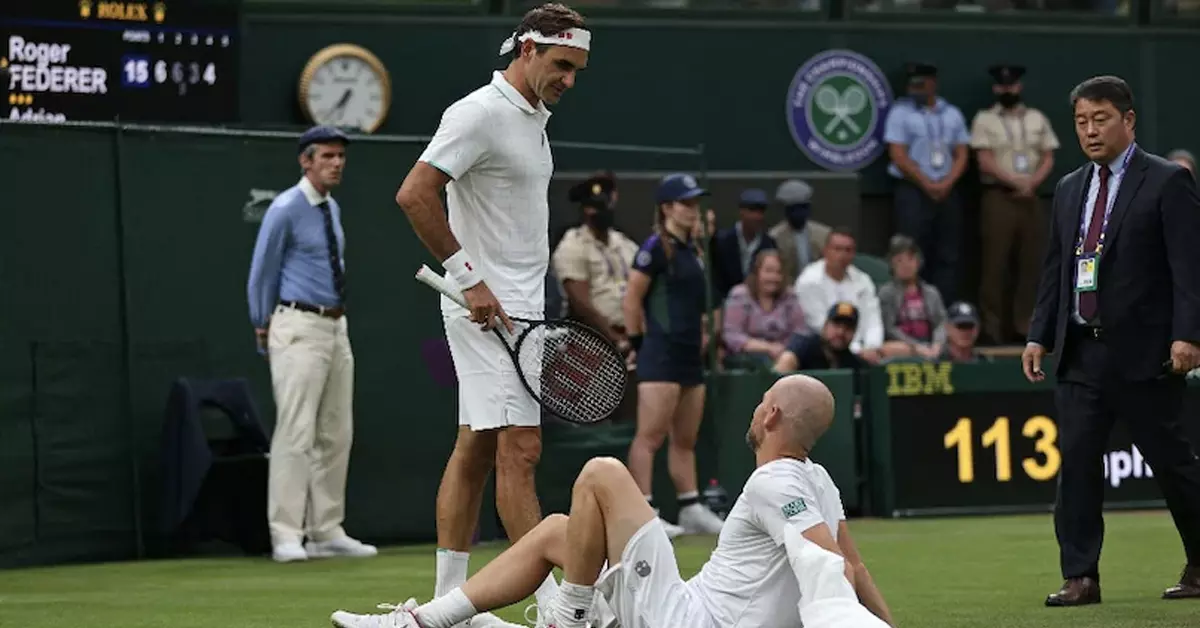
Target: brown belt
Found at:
x=320, y=310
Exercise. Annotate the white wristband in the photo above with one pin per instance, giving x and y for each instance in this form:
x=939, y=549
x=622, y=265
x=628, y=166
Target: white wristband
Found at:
x=461, y=270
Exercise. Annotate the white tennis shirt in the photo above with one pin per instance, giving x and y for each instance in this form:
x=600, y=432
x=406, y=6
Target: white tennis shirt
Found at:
x=748, y=582
x=492, y=144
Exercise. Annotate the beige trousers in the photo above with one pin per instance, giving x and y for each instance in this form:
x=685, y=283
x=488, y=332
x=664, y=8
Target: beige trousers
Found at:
x=312, y=374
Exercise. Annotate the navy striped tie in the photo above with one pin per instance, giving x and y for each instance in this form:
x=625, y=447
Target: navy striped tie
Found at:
x=335, y=260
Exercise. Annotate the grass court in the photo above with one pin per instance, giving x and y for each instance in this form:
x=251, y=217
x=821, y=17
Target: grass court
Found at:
x=953, y=572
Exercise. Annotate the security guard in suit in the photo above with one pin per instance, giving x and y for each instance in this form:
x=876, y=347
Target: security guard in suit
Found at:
x=1014, y=144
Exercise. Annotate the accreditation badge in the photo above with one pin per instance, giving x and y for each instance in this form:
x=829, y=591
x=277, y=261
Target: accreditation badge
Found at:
x=937, y=157
x=1021, y=163
x=1085, y=273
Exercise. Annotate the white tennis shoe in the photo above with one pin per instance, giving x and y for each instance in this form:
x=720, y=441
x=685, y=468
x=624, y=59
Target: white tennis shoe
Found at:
x=698, y=519
x=671, y=529
x=402, y=616
x=488, y=620
x=599, y=616
x=342, y=546
x=288, y=552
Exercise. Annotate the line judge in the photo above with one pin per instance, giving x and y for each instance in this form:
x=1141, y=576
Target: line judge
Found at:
x=297, y=294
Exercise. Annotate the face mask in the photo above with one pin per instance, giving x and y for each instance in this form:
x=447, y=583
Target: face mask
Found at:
x=1008, y=100
x=919, y=95
x=602, y=219
x=797, y=215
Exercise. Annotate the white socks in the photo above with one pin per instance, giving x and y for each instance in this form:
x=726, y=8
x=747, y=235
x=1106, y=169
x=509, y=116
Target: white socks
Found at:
x=546, y=591
x=446, y=610
x=451, y=571
x=573, y=605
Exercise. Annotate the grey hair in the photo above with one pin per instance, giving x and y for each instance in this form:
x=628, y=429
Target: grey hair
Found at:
x=901, y=243
x=310, y=152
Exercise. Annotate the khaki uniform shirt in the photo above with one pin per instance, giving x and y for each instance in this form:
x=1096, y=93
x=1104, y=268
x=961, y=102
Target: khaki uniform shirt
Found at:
x=1017, y=139
x=605, y=266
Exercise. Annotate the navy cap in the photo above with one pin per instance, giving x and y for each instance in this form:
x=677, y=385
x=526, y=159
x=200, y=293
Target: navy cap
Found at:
x=320, y=135
x=1006, y=74
x=678, y=187
x=596, y=185
x=961, y=312
x=753, y=198
x=917, y=71
x=844, y=312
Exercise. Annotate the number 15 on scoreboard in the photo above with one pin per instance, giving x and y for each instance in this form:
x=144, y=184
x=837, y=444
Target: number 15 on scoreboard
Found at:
x=135, y=71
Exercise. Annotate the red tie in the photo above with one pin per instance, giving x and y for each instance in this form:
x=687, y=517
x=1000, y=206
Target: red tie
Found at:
x=1087, y=300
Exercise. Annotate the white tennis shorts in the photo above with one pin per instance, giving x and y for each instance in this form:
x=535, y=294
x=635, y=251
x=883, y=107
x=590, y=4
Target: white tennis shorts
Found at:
x=490, y=393
x=645, y=589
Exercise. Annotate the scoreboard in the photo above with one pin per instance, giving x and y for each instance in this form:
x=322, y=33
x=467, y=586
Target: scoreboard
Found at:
x=150, y=61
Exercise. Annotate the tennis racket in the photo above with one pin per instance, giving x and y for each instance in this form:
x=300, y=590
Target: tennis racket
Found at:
x=573, y=371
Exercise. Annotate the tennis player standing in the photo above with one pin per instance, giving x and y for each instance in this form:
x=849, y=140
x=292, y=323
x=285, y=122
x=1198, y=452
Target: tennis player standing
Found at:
x=492, y=156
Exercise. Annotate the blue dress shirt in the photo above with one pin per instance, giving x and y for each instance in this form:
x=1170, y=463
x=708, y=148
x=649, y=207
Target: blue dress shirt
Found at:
x=291, y=257
x=921, y=128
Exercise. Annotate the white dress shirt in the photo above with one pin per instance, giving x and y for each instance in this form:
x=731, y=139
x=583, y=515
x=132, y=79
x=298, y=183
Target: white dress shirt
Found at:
x=818, y=292
x=1117, y=168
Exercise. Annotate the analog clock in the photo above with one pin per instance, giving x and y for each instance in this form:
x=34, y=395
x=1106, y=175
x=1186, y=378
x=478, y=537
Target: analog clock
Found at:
x=345, y=85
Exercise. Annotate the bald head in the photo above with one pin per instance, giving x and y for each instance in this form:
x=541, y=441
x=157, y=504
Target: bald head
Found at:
x=806, y=406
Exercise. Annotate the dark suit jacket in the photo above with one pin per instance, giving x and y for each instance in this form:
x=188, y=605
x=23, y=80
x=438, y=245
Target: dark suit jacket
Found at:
x=1149, y=270
x=727, y=260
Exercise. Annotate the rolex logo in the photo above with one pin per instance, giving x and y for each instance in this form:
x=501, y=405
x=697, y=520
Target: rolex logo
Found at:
x=85, y=9
x=160, y=12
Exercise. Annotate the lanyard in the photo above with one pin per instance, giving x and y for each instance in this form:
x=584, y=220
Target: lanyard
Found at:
x=612, y=271
x=1008, y=132
x=1108, y=206
x=936, y=139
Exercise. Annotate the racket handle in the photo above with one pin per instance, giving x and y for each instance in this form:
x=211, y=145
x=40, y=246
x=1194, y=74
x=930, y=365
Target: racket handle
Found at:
x=427, y=276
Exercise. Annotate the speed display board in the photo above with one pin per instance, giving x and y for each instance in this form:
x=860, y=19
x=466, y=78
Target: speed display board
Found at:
x=157, y=61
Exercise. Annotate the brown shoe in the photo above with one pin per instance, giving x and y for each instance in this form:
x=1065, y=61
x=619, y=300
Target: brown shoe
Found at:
x=1188, y=587
x=1076, y=592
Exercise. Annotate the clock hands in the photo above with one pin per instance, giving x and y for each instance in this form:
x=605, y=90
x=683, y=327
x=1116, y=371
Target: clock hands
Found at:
x=341, y=104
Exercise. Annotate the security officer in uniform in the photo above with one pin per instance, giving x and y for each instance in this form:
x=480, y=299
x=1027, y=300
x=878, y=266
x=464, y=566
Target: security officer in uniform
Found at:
x=927, y=144
x=1015, y=147
x=593, y=259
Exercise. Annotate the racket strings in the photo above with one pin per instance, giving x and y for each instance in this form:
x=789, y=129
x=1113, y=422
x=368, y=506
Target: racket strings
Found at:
x=579, y=375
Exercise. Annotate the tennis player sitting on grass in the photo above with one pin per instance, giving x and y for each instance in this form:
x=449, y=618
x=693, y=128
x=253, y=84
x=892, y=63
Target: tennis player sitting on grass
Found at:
x=785, y=557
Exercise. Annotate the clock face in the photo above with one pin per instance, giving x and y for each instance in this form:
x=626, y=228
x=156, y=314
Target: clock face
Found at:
x=347, y=91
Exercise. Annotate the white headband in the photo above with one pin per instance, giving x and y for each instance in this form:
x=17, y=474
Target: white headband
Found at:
x=574, y=38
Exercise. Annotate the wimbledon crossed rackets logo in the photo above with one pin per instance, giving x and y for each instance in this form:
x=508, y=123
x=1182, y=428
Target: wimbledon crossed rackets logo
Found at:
x=836, y=106
x=841, y=109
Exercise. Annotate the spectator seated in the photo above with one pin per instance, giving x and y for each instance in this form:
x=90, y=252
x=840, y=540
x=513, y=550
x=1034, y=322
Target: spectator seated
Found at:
x=760, y=315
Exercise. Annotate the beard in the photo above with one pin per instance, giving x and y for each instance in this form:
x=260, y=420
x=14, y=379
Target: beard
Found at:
x=751, y=440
